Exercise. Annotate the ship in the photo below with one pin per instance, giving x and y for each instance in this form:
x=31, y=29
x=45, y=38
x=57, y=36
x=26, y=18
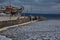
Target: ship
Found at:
x=11, y=10
x=10, y=15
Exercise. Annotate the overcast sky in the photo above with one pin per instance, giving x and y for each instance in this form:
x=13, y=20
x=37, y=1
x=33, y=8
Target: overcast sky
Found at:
x=37, y=6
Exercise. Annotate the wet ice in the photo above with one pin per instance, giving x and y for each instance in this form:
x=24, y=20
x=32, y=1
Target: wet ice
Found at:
x=42, y=30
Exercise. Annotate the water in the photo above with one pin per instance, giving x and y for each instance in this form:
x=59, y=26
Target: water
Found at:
x=49, y=16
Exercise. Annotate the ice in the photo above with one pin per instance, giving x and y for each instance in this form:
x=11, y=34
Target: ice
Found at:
x=4, y=38
x=50, y=25
x=41, y=30
x=6, y=18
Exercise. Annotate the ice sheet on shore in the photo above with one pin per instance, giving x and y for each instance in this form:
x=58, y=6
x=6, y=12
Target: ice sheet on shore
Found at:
x=43, y=30
x=6, y=18
x=4, y=38
x=50, y=25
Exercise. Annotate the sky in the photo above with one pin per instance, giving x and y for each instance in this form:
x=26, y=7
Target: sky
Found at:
x=35, y=6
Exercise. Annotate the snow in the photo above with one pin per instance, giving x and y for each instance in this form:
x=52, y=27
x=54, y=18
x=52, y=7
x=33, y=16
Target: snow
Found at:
x=41, y=30
x=50, y=25
x=4, y=38
x=2, y=14
x=6, y=18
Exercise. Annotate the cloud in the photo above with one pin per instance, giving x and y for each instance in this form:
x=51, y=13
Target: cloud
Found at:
x=1, y=1
x=44, y=6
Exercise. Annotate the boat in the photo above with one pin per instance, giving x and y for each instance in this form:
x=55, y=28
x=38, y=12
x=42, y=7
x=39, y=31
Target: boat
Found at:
x=9, y=15
x=12, y=15
x=11, y=10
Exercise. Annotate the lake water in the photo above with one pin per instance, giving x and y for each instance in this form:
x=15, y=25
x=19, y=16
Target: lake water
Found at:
x=49, y=16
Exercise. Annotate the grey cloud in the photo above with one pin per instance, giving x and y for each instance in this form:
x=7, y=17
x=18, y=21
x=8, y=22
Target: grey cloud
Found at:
x=37, y=5
x=1, y=1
